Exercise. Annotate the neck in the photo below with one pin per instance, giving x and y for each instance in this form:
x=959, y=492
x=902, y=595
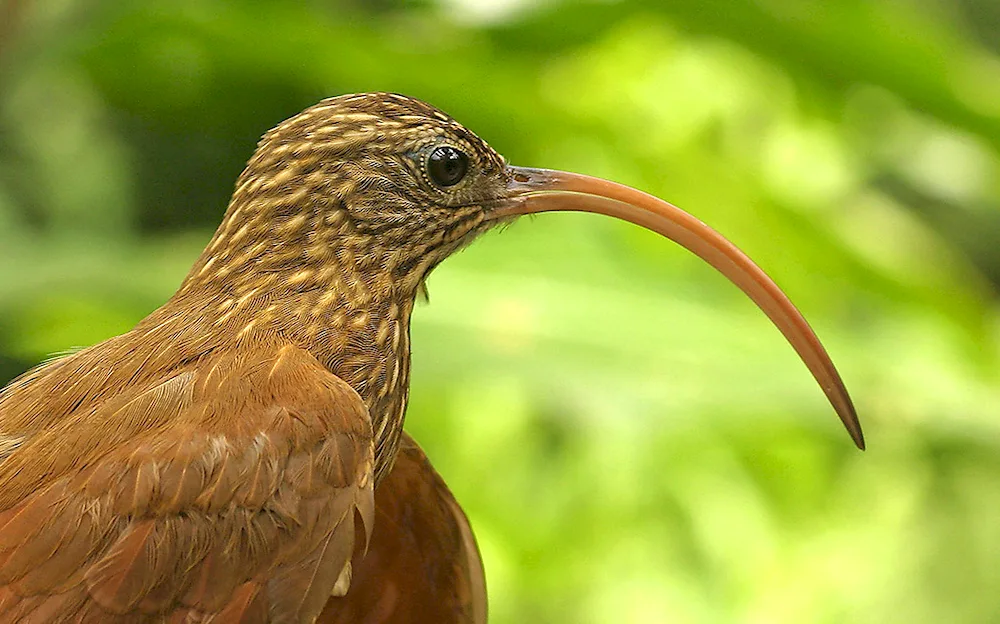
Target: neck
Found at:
x=324, y=288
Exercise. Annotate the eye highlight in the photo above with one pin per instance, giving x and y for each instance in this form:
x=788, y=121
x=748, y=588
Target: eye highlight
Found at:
x=446, y=166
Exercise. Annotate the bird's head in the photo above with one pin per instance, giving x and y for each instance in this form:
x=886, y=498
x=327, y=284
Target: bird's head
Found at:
x=382, y=187
x=380, y=184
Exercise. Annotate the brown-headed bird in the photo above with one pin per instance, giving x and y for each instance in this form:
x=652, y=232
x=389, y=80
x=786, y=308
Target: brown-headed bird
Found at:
x=239, y=455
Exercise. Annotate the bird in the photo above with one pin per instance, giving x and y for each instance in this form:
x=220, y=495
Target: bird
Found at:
x=239, y=455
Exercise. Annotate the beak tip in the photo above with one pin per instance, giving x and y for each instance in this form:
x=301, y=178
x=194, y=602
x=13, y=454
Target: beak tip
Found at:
x=857, y=435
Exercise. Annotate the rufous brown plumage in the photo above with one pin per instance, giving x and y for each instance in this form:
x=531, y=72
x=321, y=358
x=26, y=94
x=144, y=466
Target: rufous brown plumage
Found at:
x=239, y=456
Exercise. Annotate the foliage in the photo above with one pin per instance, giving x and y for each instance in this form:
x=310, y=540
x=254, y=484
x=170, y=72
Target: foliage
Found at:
x=632, y=440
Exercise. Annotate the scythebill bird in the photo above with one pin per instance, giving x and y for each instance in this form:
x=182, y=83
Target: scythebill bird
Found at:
x=239, y=455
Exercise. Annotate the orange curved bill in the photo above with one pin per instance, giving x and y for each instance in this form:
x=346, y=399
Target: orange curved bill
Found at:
x=543, y=190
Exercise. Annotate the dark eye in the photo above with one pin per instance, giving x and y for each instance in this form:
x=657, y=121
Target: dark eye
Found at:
x=447, y=166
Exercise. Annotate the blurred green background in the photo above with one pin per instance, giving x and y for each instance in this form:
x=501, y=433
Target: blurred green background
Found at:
x=632, y=439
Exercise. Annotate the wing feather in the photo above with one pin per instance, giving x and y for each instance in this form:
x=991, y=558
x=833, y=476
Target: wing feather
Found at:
x=422, y=566
x=119, y=581
x=226, y=492
x=248, y=606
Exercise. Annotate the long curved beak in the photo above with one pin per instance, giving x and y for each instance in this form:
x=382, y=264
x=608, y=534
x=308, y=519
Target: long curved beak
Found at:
x=543, y=190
